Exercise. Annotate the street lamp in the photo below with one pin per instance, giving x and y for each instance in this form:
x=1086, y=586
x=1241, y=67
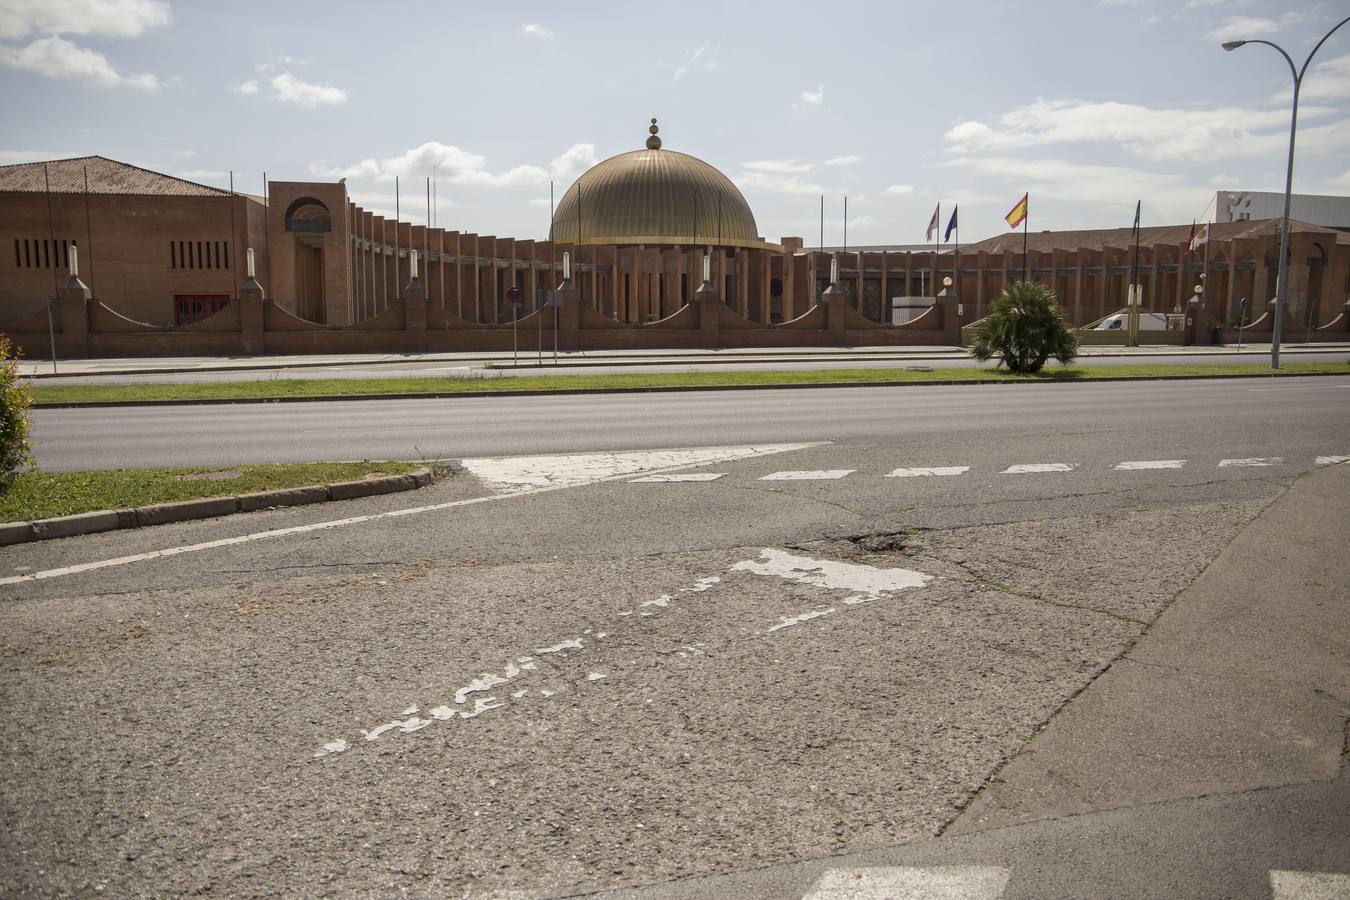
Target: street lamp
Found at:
x=1281, y=279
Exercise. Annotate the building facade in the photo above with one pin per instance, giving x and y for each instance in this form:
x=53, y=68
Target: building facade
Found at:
x=638, y=232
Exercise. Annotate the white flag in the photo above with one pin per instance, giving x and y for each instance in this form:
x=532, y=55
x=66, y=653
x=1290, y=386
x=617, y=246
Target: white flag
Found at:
x=1201, y=237
x=933, y=223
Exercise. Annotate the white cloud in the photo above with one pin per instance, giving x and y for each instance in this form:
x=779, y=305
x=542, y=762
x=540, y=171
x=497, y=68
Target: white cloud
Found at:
x=782, y=184
x=536, y=30
x=538, y=201
x=900, y=190
x=1240, y=27
x=186, y=154
x=366, y=168
x=572, y=162
x=56, y=57
x=120, y=18
x=286, y=88
x=457, y=166
x=814, y=98
x=779, y=166
x=843, y=160
x=23, y=156
x=1147, y=132
x=1174, y=194
x=1341, y=183
x=204, y=173
x=702, y=58
x=248, y=88
x=1327, y=79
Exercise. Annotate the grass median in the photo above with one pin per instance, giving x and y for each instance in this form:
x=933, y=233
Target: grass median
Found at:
x=40, y=495
x=282, y=389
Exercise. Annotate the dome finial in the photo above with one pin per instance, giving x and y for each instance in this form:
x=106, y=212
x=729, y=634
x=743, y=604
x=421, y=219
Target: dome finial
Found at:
x=653, y=142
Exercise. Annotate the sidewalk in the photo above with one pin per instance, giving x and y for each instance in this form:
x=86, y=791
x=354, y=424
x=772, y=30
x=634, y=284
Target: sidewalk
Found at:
x=1212, y=755
x=591, y=358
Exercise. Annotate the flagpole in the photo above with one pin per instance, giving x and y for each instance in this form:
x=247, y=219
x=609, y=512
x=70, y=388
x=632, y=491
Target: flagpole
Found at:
x=936, y=249
x=89, y=232
x=1026, y=225
x=234, y=277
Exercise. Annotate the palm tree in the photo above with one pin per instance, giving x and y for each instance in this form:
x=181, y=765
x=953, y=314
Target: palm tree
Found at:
x=1024, y=328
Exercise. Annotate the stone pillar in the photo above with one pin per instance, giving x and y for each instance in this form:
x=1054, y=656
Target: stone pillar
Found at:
x=72, y=310
x=415, y=316
x=251, y=328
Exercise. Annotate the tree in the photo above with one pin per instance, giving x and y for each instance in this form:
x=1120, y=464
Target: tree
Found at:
x=1024, y=328
x=15, y=398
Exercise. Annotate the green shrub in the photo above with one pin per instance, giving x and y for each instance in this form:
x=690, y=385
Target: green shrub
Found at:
x=1024, y=328
x=15, y=397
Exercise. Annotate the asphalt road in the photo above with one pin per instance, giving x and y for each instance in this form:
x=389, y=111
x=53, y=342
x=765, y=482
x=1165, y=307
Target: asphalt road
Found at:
x=548, y=678
x=1242, y=416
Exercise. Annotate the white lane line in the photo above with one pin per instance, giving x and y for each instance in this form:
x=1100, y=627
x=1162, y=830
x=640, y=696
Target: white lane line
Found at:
x=1027, y=468
x=919, y=471
x=333, y=523
x=863, y=582
x=817, y=475
x=1286, y=885
x=676, y=477
x=1136, y=465
x=911, y=883
x=1331, y=460
x=1252, y=461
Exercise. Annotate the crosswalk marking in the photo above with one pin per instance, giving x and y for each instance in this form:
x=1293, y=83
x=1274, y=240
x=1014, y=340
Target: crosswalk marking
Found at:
x=1027, y=468
x=1136, y=465
x=817, y=475
x=928, y=470
x=677, y=476
x=1252, y=461
x=911, y=883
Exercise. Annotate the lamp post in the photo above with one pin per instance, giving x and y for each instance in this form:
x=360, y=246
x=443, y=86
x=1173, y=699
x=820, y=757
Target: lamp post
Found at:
x=1281, y=279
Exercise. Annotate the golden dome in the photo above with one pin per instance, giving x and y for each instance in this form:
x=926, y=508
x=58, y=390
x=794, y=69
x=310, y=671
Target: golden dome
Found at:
x=650, y=197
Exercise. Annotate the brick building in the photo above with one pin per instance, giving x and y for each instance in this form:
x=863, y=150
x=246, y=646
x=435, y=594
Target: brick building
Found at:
x=167, y=252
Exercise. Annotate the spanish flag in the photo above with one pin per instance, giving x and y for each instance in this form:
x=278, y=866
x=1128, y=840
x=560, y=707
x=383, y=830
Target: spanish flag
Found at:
x=1018, y=212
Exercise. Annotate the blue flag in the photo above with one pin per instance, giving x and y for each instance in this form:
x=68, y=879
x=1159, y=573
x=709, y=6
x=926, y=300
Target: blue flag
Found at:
x=951, y=225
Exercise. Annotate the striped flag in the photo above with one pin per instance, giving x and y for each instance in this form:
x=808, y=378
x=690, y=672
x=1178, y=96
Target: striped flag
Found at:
x=1018, y=213
x=933, y=222
x=1199, y=237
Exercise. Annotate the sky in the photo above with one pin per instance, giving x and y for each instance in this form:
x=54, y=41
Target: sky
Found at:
x=1088, y=105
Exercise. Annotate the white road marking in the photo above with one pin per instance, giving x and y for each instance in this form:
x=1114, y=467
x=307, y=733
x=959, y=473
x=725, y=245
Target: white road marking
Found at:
x=1252, y=461
x=511, y=474
x=1136, y=465
x=1026, y=468
x=817, y=475
x=789, y=621
x=865, y=583
x=1286, y=885
x=911, y=883
x=1331, y=460
x=513, y=670
x=337, y=523
x=928, y=470
x=677, y=476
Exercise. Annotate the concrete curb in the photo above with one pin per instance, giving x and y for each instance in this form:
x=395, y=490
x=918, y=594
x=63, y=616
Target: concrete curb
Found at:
x=207, y=507
x=680, y=389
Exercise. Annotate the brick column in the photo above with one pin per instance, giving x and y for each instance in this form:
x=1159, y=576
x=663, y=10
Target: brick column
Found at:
x=72, y=307
x=835, y=302
x=569, y=316
x=251, y=329
x=709, y=304
x=415, y=316
x=947, y=302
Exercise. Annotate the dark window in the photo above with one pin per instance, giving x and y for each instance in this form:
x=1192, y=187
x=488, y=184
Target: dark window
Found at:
x=173, y=257
x=201, y=257
x=46, y=255
x=188, y=308
x=227, y=254
x=27, y=255
x=17, y=262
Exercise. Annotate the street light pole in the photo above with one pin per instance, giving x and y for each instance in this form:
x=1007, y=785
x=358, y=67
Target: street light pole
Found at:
x=1281, y=279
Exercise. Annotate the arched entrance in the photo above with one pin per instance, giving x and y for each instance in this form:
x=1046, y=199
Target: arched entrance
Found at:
x=309, y=220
